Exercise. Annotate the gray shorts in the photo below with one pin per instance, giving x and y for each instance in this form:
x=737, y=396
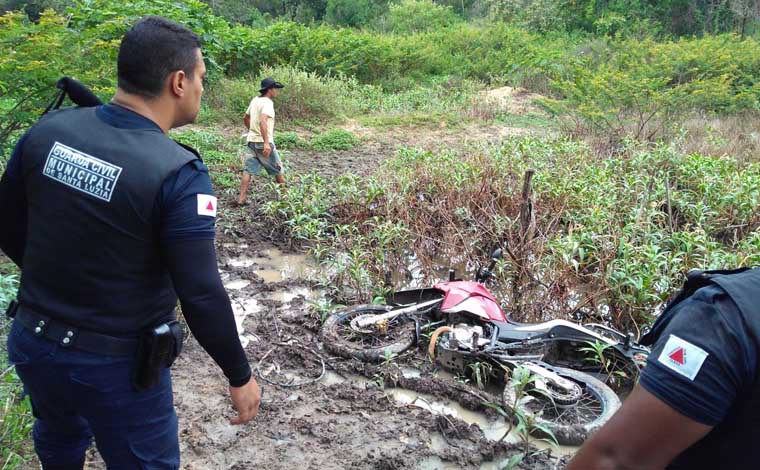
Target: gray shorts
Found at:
x=256, y=161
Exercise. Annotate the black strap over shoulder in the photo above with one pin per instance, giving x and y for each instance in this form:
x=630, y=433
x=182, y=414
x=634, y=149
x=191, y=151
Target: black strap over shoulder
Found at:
x=695, y=280
x=78, y=93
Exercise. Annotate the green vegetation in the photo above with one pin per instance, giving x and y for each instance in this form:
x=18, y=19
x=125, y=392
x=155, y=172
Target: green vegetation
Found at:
x=335, y=139
x=615, y=233
x=523, y=424
x=639, y=86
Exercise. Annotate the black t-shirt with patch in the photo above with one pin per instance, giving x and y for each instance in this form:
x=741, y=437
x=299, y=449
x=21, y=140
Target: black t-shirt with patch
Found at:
x=704, y=358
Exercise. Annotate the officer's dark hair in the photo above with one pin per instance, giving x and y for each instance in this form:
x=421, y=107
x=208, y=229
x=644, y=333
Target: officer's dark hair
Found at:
x=151, y=50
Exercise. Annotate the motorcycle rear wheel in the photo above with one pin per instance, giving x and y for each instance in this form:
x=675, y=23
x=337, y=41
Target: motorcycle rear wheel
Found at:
x=340, y=339
x=573, y=424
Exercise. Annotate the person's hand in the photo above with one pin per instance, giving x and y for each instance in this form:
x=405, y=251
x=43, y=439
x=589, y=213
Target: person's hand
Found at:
x=246, y=400
x=267, y=149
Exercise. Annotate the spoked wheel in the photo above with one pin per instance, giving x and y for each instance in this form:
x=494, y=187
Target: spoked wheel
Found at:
x=571, y=417
x=369, y=344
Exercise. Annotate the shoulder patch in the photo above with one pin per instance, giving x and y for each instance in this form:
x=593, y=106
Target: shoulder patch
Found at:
x=207, y=205
x=682, y=357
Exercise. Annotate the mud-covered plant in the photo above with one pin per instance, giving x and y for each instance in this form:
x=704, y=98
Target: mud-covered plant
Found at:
x=481, y=373
x=512, y=462
x=523, y=424
x=323, y=308
x=597, y=354
x=388, y=370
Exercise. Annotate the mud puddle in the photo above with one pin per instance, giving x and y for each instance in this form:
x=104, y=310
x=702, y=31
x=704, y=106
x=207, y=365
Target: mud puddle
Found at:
x=493, y=430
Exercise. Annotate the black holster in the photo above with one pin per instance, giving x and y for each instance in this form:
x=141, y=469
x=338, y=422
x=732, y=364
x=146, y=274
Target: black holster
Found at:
x=158, y=349
x=10, y=312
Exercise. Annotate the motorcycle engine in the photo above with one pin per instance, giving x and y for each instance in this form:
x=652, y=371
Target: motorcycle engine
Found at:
x=457, y=348
x=467, y=337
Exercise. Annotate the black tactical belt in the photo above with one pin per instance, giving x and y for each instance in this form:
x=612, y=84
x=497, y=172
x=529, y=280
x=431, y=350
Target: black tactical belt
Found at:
x=68, y=336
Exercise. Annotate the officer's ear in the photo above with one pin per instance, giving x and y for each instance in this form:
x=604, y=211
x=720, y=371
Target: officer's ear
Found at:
x=178, y=83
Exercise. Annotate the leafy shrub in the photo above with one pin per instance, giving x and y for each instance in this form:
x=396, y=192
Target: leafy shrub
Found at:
x=290, y=140
x=306, y=95
x=637, y=89
x=352, y=12
x=334, y=139
x=413, y=16
x=538, y=15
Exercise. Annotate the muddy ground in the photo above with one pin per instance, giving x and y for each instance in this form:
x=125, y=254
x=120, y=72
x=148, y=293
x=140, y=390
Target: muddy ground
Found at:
x=350, y=419
x=355, y=416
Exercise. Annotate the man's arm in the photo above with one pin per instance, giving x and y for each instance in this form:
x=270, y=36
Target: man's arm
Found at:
x=645, y=434
x=187, y=241
x=13, y=207
x=247, y=121
x=206, y=307
x=263, y=121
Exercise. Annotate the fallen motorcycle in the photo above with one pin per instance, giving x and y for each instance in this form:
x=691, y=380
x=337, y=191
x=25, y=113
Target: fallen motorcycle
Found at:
x=573, y=367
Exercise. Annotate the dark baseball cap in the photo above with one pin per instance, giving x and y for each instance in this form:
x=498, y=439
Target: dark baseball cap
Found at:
x=268, y=83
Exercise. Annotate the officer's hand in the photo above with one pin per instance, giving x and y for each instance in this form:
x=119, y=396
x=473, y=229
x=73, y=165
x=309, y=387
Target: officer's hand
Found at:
x=246, y=400
x=267, y=149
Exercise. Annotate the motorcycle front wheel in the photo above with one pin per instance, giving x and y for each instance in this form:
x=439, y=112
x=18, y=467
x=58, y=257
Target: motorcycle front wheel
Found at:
x=391, y=338
x=570, y=424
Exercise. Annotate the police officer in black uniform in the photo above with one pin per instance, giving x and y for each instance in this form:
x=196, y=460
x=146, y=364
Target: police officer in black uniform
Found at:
x=110, y=221
x=697, y=405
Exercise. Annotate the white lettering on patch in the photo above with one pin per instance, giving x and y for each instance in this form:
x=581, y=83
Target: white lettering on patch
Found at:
x=206, y=205
x=82, y=172
x=683, y=357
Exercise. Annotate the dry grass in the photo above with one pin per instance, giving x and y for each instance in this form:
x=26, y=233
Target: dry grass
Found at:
x=737, y=136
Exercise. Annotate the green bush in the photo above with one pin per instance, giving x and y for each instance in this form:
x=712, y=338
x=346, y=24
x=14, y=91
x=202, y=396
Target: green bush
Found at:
x=638, y=89
x=353, y=12
x=414, y=16
x=334, y=139
x=306, y=96
x=289, y=140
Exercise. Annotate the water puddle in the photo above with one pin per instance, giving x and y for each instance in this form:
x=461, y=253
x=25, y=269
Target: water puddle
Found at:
x=289, y=293
x=332, y=378
x=416, y=275
x=274, y=265
x=493, y=429
x=241, y=262
x=237, y=284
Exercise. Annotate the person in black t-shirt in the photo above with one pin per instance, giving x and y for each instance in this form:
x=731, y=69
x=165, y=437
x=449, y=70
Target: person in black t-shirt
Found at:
x=697, y=405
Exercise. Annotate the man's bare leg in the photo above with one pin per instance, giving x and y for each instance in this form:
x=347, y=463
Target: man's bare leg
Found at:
x=244, y=183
